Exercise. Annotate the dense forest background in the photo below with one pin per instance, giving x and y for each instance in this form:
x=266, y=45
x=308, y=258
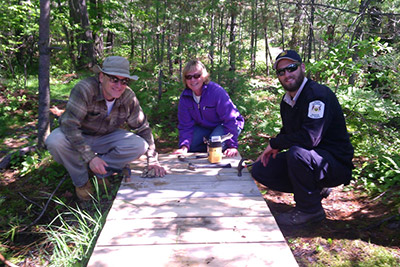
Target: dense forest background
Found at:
x=47, y=46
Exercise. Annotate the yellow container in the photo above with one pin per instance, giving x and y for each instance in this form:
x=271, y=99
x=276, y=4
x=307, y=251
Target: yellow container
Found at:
x=214, y=154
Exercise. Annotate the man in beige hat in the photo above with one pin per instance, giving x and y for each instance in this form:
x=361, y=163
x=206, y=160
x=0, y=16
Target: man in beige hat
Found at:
x=90, y=134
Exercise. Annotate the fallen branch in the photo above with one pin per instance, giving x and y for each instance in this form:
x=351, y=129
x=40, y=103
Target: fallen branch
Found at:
x=5, y=163
x=45, y=206
x=380, y=222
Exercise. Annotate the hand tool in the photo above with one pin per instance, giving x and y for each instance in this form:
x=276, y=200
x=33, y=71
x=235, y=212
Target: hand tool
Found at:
x=242, y=164
x=125, y=172
x=185, y=159
x=193, y=167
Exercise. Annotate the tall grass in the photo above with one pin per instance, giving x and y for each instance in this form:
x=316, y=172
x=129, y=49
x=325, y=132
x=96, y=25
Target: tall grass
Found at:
x=73, y=234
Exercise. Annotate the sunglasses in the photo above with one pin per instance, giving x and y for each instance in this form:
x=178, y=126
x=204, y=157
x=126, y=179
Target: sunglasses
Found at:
x=292, y=67
x=114, y=79
x=196, y=76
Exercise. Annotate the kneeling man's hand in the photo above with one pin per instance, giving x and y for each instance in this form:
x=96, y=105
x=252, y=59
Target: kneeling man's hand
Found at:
x=159, y=171
x=268, y=152
x=97, y=165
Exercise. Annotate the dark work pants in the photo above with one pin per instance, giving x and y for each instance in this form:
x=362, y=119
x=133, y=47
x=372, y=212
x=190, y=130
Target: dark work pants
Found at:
x=304, y=173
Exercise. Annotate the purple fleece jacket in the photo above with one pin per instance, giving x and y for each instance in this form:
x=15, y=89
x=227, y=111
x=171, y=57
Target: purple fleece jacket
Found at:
x=215, y=108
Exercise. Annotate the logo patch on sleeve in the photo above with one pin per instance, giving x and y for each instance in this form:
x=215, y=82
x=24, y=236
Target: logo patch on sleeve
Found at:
x=316, y=109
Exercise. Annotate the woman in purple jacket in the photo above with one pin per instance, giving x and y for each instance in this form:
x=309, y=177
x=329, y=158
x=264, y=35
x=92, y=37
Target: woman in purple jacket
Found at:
x=205, y=110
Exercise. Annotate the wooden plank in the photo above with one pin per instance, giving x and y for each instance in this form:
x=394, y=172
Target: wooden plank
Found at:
x=198, y=180
x=206, y=184
x=185, y=190
x=199, y=230
x=146, y=207
x=174, y=166
x=185, y=175
x=199, y=255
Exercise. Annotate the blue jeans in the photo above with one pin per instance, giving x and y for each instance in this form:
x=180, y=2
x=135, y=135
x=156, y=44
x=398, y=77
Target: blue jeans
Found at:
x=199, y=132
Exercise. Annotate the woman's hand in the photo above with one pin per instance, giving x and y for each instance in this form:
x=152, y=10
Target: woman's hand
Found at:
x=182, y=150
x=231, y=152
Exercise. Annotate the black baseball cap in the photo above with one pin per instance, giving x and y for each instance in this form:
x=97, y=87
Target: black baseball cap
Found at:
x=287, y=54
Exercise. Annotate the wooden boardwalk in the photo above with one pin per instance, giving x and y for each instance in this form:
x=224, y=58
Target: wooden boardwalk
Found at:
x=205, y=217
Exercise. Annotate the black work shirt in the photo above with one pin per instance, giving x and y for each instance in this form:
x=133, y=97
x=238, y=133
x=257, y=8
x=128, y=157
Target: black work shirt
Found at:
x=316, y=121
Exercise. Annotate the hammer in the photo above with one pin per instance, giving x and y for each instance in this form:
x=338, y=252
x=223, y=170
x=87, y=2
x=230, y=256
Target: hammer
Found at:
x=193, y=167
x=184, y=159
x=125, y=172
x=241, y=166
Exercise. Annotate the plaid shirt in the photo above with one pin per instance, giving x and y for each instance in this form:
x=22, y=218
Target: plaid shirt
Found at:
x=86, y=113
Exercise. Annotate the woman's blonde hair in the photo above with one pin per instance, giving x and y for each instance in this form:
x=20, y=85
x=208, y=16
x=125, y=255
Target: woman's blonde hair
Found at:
x=191, y=66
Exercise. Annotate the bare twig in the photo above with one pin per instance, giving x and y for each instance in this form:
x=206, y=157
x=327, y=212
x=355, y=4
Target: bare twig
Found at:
x=31, y=201
x=379, y=196
x=6, y=262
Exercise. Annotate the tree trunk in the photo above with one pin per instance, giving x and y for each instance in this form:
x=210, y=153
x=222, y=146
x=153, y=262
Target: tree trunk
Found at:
x=267, y=50
x=311, y=32
x=221, y=43
x=179, y=52
x=44, y=73
x=132, y=38
x=212, y=30
x=294, y=40
x=110, y=41
x=161, y=52
x=281, y=24
x=357, y=34
x=88, y=57
x=79, y=13
x=96, y=8
x=232, y=35
x=157, y=32
x=132, y=34
x=68, y=39
x=169, y=54
x=253, y=40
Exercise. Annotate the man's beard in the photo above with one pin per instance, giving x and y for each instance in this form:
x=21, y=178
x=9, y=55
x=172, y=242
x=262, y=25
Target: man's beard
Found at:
x=296, y=85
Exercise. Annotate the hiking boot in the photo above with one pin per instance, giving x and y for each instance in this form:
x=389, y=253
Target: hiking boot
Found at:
x=325, y=192
x=297, y=217
x=126, y=173
x=85, y=192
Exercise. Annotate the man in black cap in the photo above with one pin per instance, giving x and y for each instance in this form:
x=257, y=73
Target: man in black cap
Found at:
x=312, y=151
x=90, y=134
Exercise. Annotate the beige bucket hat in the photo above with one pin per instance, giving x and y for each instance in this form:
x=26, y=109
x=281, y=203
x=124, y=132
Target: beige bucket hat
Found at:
x=117, y=66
